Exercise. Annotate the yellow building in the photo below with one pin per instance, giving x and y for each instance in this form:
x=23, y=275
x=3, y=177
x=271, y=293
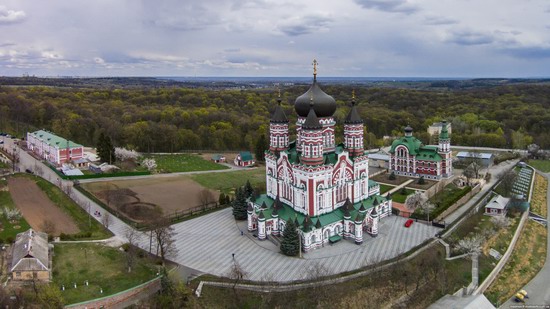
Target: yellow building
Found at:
x=30, y=257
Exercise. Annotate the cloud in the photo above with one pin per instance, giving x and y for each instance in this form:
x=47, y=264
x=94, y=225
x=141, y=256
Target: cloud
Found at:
x=529, y=52
x=179, y=16
x=467, y=37
x=392, y=6
x=304, y=25
x=11, y=16
x=439, y=20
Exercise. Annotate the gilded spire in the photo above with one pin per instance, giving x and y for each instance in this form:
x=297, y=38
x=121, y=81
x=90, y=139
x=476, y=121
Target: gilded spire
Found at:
x=278, y=95
x=353, y=97
x=315, y=63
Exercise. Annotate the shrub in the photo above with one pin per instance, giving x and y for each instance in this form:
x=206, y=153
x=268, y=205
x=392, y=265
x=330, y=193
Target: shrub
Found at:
x=392, y=176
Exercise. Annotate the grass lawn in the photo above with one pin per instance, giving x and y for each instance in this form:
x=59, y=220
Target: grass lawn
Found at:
x=447, y=197
x=79, y=215
x=525, y=262
x=385, y=188
x=9, y=229
x=538, y=202
x=399, y=197
x=384, y=178
x=541, y=165
x=174, y=163
x=103, y=267
x=227, y=182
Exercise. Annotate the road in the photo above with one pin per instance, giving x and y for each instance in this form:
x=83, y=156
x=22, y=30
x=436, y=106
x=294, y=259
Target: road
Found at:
x=539, y=287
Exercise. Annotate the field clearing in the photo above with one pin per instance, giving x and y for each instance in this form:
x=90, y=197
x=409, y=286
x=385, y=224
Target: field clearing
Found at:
x=541, y=165
x=174, y=163
x=170, y=194
x=525, y=262
x=103, y=267
x=539, y=204
x=37, y=208
x=228, y=182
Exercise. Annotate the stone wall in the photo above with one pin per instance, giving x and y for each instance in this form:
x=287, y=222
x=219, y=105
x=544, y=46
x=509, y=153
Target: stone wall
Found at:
x=122, y=299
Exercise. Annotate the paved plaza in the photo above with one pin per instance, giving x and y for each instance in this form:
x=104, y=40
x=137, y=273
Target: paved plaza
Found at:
x=211, y=251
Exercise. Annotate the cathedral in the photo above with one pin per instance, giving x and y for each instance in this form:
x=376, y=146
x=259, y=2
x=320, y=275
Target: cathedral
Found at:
x=323, y=187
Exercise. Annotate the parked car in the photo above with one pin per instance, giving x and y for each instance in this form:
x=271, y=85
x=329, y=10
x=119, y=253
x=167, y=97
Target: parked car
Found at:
x=409, y=222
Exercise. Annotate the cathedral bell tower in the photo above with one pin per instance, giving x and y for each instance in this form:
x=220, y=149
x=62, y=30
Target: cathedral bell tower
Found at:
x=353, y=131
x=312, y=139
x=278, y=129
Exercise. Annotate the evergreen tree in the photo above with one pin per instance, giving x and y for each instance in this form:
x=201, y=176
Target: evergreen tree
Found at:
x=239, y=205
x=261, y=147
x=392, y=176
x=105, y=149
x=221, y=199
x=290, y=245
x=248, y=189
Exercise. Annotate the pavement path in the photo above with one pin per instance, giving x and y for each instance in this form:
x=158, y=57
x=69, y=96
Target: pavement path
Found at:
x=539, y=287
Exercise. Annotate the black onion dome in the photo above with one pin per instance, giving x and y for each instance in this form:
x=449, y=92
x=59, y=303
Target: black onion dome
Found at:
x=323, y=104
x=353, y=116
x=408, y=129
x=312, y=122
x=279, y=115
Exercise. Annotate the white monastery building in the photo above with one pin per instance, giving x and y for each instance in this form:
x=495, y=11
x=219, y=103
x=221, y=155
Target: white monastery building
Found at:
x=323, y=187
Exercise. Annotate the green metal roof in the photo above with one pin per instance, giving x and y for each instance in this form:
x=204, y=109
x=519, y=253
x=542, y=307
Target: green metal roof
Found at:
x=287, y=212
x=54, y=140
x=246, y=156
x=444, y=133
x=411, y=142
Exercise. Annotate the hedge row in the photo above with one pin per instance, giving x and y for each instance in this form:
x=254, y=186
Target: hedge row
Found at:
x=447, y=201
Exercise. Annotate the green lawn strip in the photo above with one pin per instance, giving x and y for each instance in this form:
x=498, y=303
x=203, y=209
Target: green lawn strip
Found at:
x=9, y=229
x=399, y=197
x=444, y=199
x=227, y=182
x=173, y=163
x=541, y=165
x=78, y=214
x=525, y=262
x=3, y=165
x=385, y=188
x=103, y=267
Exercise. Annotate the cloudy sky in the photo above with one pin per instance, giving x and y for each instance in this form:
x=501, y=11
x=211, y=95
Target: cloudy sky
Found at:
x=371, y=38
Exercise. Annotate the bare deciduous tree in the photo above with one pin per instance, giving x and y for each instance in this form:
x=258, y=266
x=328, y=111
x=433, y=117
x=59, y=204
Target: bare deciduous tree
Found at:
x=500, y=222
x=106, y=220
x=427, y=208
x=206, y=197
x=507, y=180
x=415, y=200
x=48, y=227
x=164, y=235
x=132, y=236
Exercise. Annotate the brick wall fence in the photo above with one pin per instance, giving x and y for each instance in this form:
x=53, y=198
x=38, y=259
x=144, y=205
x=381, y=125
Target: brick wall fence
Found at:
x=122, y=299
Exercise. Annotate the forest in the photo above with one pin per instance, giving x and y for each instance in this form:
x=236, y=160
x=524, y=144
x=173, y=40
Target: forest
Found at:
x=176, y=118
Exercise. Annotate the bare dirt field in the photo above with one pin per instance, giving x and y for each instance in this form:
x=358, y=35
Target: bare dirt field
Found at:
x=37, y=208
x=142, y=198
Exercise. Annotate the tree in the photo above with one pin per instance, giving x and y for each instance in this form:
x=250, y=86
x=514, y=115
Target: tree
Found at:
x=123, y=154
x=415, y=200
x=132, y=236
x=290, y=245
x=261, y=147
x=164, y=236
x=426, y=208
x=106, y=220
x=50, y=296
x=500, y=222
x=206, y=197
x=248, y=189
x=105, y=149
x=470, y=245
x=221, y=199
x=150, y=164
x=48, y=227
x=507, y=180
x=392, y=176
x=421, y=180
x=239, y=205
